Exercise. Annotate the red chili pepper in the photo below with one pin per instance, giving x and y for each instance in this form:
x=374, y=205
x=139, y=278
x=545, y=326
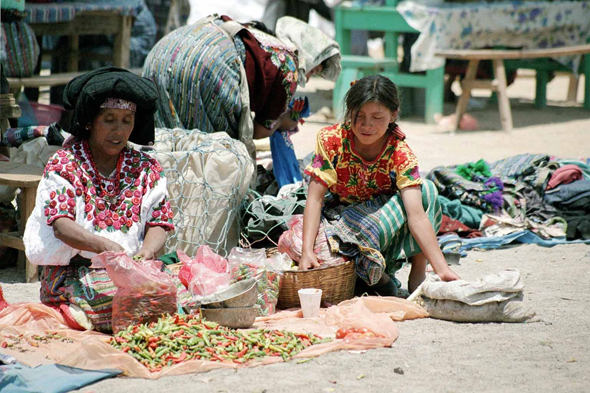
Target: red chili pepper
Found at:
x=4, y=344
x=242, y=352
x=180, y=358
x=126, y=349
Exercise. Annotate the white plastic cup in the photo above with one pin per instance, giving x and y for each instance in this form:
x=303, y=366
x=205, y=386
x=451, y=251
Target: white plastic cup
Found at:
x=310, y=299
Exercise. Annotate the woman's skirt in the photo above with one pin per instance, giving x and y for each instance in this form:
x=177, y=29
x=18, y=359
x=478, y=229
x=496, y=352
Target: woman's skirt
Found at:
x=376, y=233
x=91, y=290
x=196, y=70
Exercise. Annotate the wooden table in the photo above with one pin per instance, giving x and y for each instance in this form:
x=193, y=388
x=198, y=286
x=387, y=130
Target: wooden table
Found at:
x=498, y=83
x=76, y=19
x=26, y=177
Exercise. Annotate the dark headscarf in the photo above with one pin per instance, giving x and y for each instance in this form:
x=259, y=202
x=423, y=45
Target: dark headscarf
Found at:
x=85, y=93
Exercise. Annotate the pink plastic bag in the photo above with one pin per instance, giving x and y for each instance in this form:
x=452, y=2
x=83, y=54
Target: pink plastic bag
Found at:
x=291, y=242
x=204, y=274
x=144, y=292
x=3, y=303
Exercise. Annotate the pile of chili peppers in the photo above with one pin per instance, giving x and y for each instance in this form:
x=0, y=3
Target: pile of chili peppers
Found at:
x=178, y=338
x=142, y=304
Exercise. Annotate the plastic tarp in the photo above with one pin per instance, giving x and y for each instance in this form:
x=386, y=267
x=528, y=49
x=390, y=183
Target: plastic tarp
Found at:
x=90, y=350
x=49, y=378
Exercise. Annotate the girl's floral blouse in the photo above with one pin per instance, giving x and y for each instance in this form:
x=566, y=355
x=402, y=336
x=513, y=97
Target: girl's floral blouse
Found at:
x=346, y=174
x=119, y=207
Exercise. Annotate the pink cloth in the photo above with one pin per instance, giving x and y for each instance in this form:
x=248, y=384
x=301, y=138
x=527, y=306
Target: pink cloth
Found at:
x=564, y=175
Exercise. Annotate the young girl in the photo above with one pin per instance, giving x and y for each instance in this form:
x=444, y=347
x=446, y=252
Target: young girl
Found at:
x=378, y=209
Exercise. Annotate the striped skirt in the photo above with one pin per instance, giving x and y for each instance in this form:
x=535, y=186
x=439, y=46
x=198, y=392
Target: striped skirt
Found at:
x=376, y=233
x=196, y=70
x=90, y=289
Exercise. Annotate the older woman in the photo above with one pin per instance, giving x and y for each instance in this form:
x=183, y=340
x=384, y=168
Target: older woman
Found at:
x=98, y=195
x=212, y=74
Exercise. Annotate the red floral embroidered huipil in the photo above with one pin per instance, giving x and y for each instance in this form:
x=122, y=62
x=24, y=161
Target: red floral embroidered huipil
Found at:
x=336, y=165
x=119, y=207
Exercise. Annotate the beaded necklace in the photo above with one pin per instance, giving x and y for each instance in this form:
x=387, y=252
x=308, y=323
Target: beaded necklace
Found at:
x=99, y=180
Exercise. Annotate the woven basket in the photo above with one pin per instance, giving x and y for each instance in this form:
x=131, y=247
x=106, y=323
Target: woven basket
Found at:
x=336, y=282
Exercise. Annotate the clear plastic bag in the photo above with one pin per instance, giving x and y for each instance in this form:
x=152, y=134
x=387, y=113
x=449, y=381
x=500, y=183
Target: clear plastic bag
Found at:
x=144, y=292
x=291, y=243
x=252, y=263
x=204, y=274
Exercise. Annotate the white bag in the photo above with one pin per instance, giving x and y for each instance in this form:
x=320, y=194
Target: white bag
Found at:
x=493, y=298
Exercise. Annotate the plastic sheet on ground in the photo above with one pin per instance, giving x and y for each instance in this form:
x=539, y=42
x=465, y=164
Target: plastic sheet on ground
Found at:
x=90, y=351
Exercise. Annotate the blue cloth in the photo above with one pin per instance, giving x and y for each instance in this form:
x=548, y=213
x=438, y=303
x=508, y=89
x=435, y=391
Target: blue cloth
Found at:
x=284, y=162
x=528, y=237
x=454, y=209
x=49, y=378
x=566, y=194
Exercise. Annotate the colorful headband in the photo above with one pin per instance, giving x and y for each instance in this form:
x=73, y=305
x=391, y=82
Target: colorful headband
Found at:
x=353, y=82
x=118, y=103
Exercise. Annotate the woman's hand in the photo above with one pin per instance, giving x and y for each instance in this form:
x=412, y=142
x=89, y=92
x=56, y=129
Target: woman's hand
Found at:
x=308, y=261
x=286, y=123
x=145, y=255
x=110, y=245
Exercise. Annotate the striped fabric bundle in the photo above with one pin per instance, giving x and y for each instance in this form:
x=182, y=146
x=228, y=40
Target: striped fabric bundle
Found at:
x=197, y=74
x=19, y=51
x=376, y=232
x=65, y=12
x=14, y=137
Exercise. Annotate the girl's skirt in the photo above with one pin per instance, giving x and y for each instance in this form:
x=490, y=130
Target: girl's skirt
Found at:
x=376, y=233
x=91, y=290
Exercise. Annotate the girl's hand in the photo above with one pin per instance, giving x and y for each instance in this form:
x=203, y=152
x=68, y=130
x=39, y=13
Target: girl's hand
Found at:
x=448, y=275
x=308, y=261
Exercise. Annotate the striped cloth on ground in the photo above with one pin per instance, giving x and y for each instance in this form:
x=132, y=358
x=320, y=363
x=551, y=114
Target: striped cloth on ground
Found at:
x=376, y=233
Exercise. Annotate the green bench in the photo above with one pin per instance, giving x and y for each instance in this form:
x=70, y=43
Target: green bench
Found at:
x=389, y=21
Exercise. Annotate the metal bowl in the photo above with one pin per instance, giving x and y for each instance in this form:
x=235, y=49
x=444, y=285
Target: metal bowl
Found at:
x=236, y=318
x=240, y=294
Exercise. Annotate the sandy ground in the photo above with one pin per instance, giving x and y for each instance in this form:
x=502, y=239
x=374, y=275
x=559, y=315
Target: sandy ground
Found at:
x=434, y=355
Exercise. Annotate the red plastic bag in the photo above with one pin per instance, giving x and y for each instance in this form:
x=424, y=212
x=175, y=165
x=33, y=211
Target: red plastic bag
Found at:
x=204, y=274
x=291, y=243
x=144, y=292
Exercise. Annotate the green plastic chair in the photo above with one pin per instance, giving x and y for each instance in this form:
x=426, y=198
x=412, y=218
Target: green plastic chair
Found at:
x=388, y=20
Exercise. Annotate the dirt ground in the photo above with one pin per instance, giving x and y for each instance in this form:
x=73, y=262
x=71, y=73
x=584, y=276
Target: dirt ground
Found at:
x=434, y=355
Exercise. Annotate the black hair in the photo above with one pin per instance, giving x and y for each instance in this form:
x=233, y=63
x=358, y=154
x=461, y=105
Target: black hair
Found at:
x=370, y=89
x=261, y=26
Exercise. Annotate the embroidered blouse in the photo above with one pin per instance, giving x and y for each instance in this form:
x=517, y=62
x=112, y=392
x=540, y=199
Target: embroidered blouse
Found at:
x=346, y=174
x=271, y=68
x=119, y=207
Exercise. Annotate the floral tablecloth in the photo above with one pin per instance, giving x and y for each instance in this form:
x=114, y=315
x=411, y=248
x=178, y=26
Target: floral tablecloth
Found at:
x=517, y=24
x=65, y=11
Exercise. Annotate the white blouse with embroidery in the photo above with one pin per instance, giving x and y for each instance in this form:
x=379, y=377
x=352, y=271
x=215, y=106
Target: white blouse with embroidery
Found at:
x=118, y=208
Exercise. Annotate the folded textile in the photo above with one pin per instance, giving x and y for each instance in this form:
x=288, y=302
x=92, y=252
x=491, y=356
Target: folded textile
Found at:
x=566, y=194
x=467, y=215
x=503, y=224
x=449, y=225
x=49, y=378
x=565, y=175
x=489, y=243
x=583, y=164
